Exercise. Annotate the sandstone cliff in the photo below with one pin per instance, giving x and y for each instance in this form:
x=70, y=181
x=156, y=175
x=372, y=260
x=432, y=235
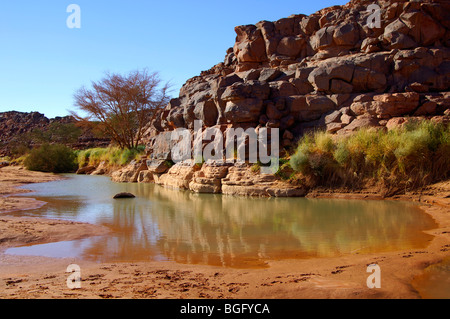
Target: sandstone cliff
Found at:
x=331, y=70
x=327, y=70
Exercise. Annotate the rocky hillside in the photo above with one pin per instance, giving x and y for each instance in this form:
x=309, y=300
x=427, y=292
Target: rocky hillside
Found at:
x=327, y=70
x=330, y=70
x=14, y=126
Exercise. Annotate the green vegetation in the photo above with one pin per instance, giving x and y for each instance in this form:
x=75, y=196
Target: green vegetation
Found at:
x=409, y=157
x=56, y=133
x=54, y=158
x=113, y=156
x=57, y=158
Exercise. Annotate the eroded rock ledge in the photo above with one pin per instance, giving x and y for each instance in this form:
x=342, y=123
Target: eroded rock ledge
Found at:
x=211, y=177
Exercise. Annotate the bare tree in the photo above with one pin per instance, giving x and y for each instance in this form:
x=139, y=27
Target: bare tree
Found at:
x=123, y=104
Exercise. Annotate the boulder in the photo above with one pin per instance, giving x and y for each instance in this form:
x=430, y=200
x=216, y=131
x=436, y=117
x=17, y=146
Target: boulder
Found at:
x=124, y=195
x=321, y=77
x=207, y=112
x=157, y=166
x=268, y=75
x=160, y=146
x=387, y=105
x=242, y=111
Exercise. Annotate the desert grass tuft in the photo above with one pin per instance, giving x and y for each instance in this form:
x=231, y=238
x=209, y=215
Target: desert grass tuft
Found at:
x=409, y=157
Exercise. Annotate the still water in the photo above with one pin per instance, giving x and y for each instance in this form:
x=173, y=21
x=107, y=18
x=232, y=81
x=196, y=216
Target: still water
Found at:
x=163, y=224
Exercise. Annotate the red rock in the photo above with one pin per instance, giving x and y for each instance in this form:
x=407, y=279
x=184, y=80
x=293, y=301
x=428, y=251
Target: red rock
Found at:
x=322, y=38
x=241, y=111
x=428, y=108
x=388, y=105
x=250, y=45
x=358, y=123
x=346, y=35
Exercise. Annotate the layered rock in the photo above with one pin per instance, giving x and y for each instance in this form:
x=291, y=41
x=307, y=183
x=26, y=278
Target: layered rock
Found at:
x=243, y=182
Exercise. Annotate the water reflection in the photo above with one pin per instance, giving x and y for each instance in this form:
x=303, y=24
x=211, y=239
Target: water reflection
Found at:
x=434, y=283
x=164, y=224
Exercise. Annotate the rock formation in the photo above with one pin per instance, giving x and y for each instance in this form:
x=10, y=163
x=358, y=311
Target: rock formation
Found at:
x=331, y=70
x=14, y=124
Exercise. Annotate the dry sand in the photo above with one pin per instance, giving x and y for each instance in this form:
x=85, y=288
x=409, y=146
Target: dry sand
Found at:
x=338, y=277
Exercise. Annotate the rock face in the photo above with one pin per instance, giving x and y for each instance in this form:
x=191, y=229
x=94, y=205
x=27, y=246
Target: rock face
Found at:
x=292, y=72
x=331, y=70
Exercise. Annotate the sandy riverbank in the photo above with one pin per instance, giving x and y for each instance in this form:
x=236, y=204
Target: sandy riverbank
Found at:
x=338, y=277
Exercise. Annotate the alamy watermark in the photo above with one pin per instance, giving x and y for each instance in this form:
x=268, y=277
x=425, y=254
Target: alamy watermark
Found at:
x=74, y=280
x=74, y=19
x=374, y=19
x=234, y=145
x=374, y=280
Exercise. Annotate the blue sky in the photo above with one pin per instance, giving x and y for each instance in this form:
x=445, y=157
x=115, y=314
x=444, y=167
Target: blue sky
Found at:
x=43, y=62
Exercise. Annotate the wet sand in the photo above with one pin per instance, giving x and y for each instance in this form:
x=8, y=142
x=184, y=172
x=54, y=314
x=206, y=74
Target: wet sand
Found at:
x=340, y=277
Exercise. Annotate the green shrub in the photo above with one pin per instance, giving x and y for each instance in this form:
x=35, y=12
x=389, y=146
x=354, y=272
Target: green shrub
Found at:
x=413, y=156
x=113, y=156
x=54, y=158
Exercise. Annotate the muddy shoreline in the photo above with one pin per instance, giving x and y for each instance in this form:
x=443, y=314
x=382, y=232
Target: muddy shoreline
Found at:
x=339, y=277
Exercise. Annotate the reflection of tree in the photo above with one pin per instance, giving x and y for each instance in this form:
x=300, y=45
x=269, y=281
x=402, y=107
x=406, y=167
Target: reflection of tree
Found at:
x=233, y=231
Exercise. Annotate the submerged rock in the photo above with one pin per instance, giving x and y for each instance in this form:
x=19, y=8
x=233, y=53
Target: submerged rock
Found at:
x=124, y=195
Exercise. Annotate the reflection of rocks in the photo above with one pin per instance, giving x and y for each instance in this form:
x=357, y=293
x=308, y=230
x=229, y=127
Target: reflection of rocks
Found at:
x=241, y=232
x=157, y=166
x=231, y=231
